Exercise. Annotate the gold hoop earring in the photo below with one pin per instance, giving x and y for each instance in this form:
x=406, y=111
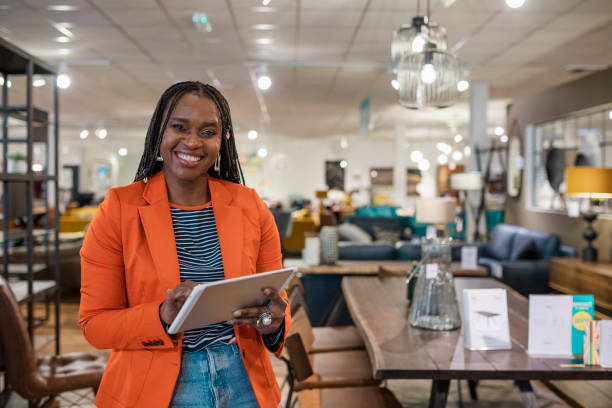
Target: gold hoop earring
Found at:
x=218, y=164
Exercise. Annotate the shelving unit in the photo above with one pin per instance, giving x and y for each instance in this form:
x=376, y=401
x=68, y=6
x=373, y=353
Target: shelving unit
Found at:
x=21, y=276
x=490, y=152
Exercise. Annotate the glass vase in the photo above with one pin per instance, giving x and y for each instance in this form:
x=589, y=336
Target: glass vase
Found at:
x=434, y=306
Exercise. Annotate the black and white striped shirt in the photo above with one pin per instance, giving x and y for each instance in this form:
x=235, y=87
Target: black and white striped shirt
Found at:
x=199, y=256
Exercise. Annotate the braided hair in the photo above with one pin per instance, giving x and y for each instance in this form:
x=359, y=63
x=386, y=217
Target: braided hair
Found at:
x=230, y=166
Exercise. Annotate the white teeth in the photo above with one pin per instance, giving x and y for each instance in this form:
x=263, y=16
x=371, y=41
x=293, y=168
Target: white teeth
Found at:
x=188, y=157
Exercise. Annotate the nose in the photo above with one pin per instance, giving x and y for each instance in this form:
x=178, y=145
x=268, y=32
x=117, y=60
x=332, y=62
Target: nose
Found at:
x=193, y=140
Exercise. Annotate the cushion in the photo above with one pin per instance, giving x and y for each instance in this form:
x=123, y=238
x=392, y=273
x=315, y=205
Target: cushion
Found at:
x=385, y=235
x=351, y=232
x=523, y=247
x=500, y=244
x=373, y=251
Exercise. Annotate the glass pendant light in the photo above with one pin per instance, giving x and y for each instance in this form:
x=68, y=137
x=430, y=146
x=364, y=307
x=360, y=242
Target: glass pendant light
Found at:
x=411, y=38
x=428, y=80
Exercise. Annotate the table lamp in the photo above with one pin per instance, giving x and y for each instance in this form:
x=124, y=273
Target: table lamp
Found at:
x=591, y=183
x=466, y=182
x=438, y=210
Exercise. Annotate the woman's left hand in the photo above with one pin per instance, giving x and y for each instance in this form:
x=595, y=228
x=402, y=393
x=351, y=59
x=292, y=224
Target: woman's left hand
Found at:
x=250, y=316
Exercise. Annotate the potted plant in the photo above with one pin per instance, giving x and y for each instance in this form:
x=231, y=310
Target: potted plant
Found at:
x=16, y=163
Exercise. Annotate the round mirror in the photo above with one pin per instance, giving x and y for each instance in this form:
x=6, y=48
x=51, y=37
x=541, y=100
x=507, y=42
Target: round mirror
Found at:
x=514, y=160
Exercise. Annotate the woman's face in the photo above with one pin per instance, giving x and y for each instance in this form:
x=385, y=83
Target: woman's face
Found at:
x=192, y=139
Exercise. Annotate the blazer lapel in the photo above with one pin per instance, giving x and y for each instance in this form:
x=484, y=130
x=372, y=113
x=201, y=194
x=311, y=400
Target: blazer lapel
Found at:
x=228, y=218
x=157, y=224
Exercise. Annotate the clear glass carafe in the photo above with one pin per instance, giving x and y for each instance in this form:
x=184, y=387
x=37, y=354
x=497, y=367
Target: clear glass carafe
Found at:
x=434, y=305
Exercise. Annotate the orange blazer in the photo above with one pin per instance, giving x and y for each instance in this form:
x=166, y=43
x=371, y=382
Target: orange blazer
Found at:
x=129, y=260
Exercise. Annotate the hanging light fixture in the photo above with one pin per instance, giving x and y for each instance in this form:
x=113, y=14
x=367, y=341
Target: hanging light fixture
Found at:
x=411, y=38
x=427, y=74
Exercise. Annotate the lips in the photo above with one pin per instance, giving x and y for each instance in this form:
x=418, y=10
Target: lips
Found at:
x=188, y=160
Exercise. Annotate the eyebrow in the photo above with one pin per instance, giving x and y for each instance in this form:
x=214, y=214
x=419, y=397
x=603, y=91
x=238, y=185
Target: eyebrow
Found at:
x=184, y=120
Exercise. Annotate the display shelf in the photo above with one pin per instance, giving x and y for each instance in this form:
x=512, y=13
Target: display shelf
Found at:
x=22, y=269
x=39, y=288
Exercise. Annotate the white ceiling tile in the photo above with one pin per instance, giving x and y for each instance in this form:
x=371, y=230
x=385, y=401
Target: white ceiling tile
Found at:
x=341, y=5
x=314, y=18
x=579, y=22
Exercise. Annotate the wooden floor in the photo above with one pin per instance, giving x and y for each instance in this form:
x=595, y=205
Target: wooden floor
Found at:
x=411, y=393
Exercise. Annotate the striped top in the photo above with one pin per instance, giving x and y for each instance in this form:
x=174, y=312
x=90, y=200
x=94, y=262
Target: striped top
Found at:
x=199, y=256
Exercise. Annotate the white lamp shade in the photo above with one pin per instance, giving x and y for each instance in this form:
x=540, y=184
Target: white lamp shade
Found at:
x=436, y=210
x=471, y=180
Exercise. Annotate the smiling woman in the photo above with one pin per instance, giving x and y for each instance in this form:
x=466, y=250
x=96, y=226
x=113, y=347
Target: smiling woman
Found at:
x=185, y=220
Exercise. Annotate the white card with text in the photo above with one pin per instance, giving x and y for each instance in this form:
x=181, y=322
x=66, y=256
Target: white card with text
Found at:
x=431, y=231
x=550, y=325
x=485, y=314
x=469, y=257
x=605, y=343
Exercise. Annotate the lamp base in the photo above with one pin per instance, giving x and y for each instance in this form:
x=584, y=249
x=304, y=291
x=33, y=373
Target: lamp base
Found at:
x=589, y=254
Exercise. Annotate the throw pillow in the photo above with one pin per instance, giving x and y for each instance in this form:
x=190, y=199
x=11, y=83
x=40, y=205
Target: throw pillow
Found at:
x=385, y=235
x=407, y=234
x=523, y=248
x=351, y=232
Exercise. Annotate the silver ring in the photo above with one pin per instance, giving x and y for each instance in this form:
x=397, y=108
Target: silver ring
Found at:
x=264, y=319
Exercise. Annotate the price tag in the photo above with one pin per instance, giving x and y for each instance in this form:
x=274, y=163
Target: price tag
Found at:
x=469, y=257
x=431, y=271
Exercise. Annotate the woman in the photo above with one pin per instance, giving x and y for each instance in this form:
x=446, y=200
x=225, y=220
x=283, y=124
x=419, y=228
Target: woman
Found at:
x=188, y=219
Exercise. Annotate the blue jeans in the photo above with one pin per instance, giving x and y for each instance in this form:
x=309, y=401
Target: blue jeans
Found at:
x=213, y=377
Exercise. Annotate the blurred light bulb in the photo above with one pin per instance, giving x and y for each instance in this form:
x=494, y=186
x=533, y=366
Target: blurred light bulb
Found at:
x=467, y=151
x=8, y=83
x=252, y=135
x=265, y=2
x=452, y=165
x=515, y=3
x=504, y=138
x=62, y=39
x=458, y=138
x=37, y=167
x=416, y=156
x=457, y=155
x=463, y=85
x=442, y=159
x=262, y=152
x=84, y=133
x=499, y=131
x=373, y=174
x=343, y=164
x=428, y=74
x=418, y=43
x=264, y=82
x=122, y=151
x=610, y=114
x=63, y=81
x=395, y=84
x=63, y=51
x=101, y=133
x=38, y=82
x=424, y=165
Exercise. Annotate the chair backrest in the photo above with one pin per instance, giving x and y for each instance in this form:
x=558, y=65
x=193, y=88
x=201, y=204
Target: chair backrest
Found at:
x=21, y=369
x=297, y=300
x=300, y=324
x=298, y=356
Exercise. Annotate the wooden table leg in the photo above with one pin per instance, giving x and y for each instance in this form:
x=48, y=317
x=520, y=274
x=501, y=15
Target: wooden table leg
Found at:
x=439, y=393
x=527, y=395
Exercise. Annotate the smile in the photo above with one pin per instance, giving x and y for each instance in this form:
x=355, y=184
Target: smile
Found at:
x=188, y=157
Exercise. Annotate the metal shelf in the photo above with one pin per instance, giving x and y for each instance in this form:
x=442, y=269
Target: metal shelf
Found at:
x=39, y=288
x=16, y=235
x=22, y=269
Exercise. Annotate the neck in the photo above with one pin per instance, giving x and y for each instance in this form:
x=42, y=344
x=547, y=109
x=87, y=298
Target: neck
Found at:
x=188, y=193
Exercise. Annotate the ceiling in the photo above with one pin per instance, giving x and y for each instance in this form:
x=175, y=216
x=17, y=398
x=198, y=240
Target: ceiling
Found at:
x=324, y=58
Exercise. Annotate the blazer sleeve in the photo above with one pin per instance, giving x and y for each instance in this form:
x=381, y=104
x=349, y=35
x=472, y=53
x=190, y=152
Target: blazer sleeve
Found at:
x=270, y=257
x=105, y=317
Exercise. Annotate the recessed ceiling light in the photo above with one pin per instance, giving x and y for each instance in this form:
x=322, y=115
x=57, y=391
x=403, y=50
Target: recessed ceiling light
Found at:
x=84, y=133
x=122, y=151
x=266, y=2
x=264, y=27
x=395, y=84
x=262, y=152
x=264, y=9
x=458, y=138
x=37, y=82
x=463, y=85
x=62, y=39
x=101, y=133
x=63, y=81
x=264, y=41
x=343, y=164
x=515, y=3
x=499, y=130
x=63, y=51
x=62, y=7
x=264, y=82
x=252, y=135
x=504, y=138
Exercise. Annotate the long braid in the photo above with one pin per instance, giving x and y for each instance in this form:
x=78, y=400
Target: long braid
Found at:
x=230, y=165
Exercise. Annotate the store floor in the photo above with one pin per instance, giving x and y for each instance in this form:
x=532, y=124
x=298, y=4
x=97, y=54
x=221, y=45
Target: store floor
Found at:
x=412, y=393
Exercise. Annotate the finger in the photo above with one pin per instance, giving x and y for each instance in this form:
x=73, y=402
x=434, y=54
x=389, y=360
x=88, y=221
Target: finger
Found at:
x=273, y=295
x=250, y=312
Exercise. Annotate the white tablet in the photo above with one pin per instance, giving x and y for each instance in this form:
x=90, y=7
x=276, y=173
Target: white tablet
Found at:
x=215, y=302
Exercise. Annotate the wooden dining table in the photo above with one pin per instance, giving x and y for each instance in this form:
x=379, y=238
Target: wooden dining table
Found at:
x=399, y=351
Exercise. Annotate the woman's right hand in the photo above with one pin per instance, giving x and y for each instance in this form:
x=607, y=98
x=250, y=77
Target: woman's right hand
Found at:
x=174, y=301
